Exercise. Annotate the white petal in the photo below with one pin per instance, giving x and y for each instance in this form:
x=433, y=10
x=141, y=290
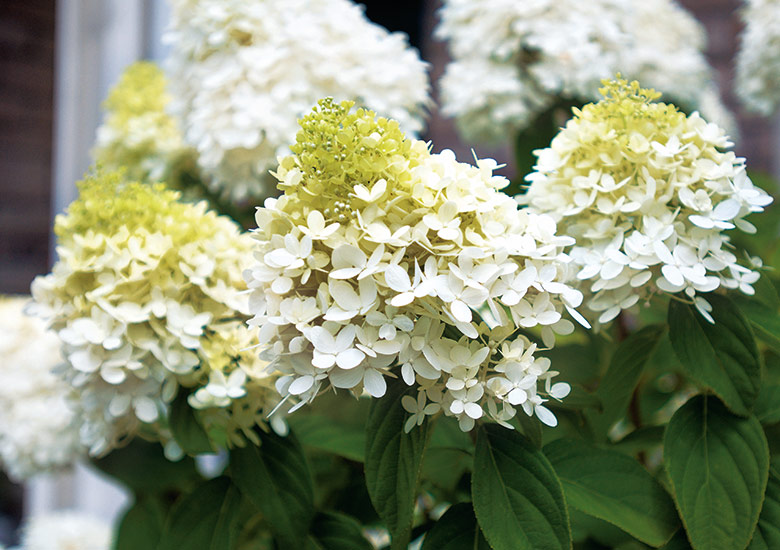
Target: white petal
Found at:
x=673, y=275
x=726, y=210
x=701, y=221
x=461, y=311
x=145, y=409
x=546, y=416
x=374, y=383
x=344, y=295
x=473, y=410
x=609, y=314
x=345, y=379
x=346, y=255
x=282, y=285
x=112, y=375
x=397, y=278
x=407, y=373
x=517, y=396
x=346, y=273
x=409, y=403
x=560, y=390
x=350, y=358
x=402, y=300
x=300, y=385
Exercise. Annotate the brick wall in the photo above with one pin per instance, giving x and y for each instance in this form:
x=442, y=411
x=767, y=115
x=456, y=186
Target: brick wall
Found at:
x=26, y=91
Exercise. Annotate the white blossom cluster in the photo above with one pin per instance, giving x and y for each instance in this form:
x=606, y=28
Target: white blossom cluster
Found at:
x=758, y=60
x=66, y=530
x=38, y=431
x=648, y=193
x=243, y=71
x=146, y=299
x=514, y=60
x=382, y=259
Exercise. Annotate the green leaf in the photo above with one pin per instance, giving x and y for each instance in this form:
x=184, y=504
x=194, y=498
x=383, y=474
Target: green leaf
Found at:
x=718, y=465
x=393, y=462
x=142, y=525
x=326, y=434
x=187, y=432
x=623, y=374
x=276, y=478
x=765, y=320
x=457, y=529
x=767, y=533
x=722, y=356
x=614, y=487
x=640, y=440
x=334, y=531
x=206, y=519
x=449, y=454
x=596, y=534
x=518, y=498
x=578, y=399
x=678, y=542
x=766, y=292
x=530, y=427
x=143, y=468
x=767, y=407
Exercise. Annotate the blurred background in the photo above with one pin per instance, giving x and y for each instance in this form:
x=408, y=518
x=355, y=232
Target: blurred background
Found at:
x=58, y=60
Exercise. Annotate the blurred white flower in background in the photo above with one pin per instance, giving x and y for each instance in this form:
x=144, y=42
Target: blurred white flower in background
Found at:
x=758, y=60
x=38, y=431
x=243, y=71
x=512, y=60
x=66, y=530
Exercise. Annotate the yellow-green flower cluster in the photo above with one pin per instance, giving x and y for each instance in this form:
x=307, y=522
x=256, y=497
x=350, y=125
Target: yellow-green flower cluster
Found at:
x=382, y=259
x=647, y=192
x=137, y=133
x=146, y=298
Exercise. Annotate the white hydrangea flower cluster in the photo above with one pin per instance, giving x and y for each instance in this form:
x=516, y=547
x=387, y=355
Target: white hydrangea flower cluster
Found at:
x=647, y=192
x=146, y=298
x=38, y=431
x=758, y=60
x=138, y=134
x=244, y=71
x=383, y=259
x=514, y=60
x=66, y=530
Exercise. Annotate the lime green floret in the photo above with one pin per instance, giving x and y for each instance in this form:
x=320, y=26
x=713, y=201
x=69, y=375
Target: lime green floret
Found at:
x=337, y=149
x=140, y=90
x=615, y=133
x=108, y=202
x=628, y=108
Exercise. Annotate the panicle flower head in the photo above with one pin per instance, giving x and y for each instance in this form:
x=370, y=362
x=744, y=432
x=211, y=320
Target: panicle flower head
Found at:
x=514, y=60
x=382, y=260
x=758, y=60
x=138, y=134
x=146, y=299
x=243, y=71
x=38, y=431
x=647, y=192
